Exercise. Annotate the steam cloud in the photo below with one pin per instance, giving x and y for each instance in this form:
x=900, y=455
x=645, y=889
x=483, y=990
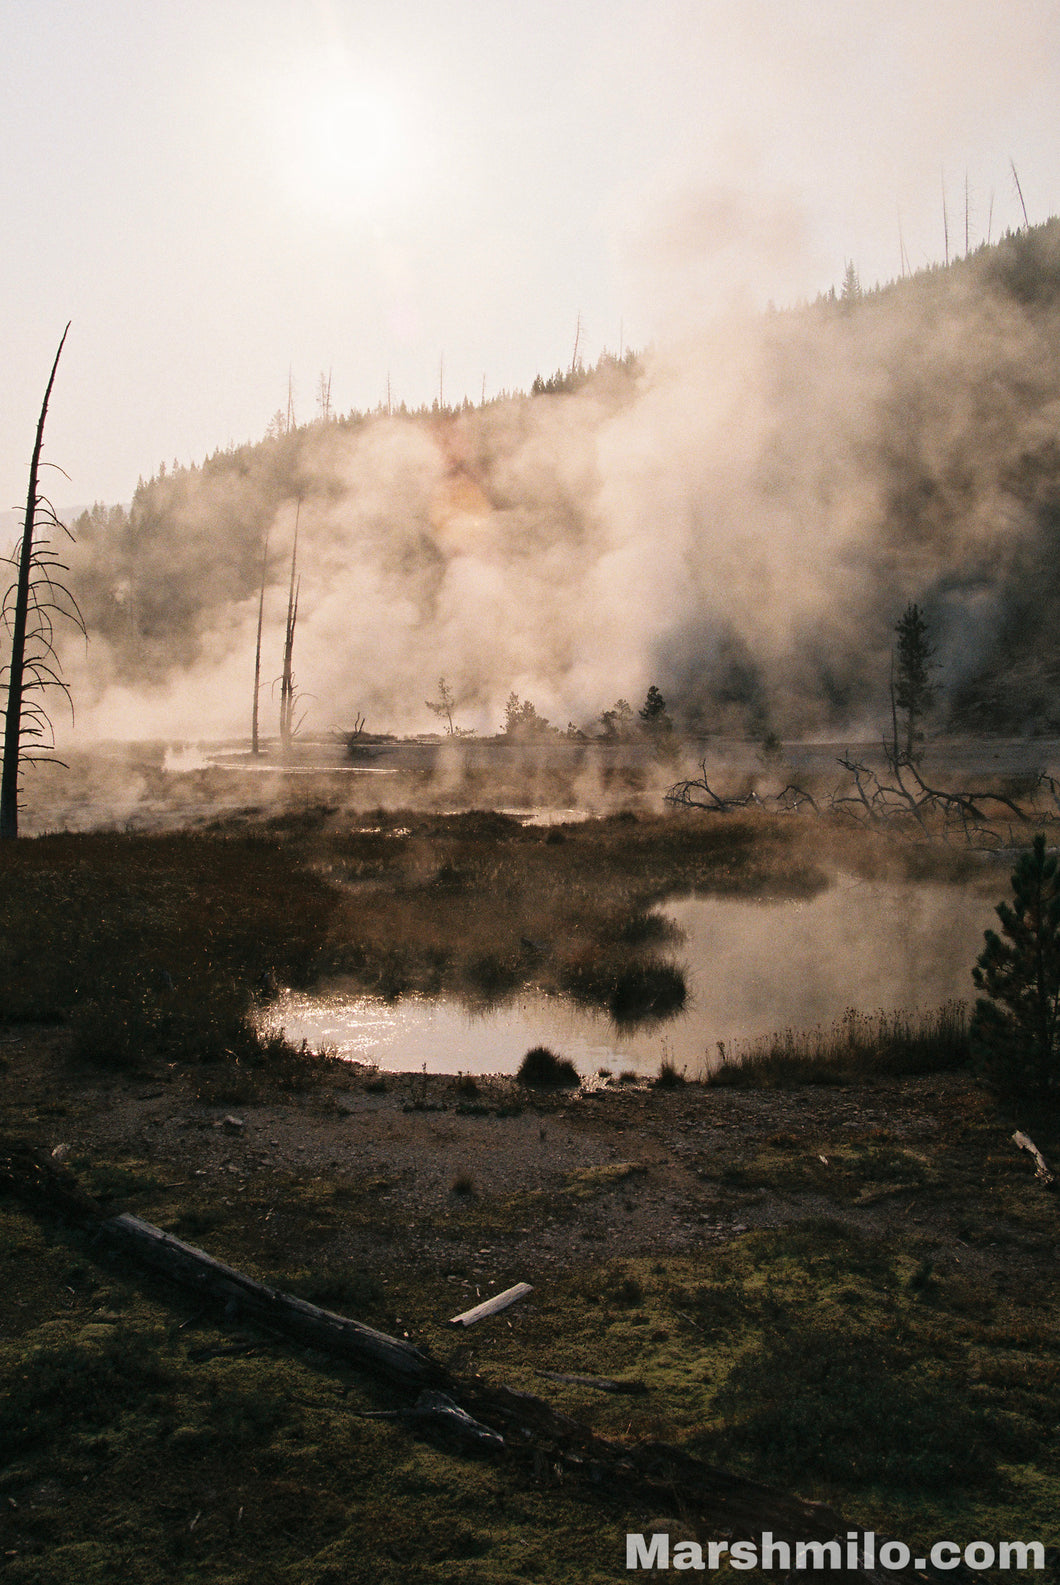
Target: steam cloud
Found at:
x=740, y=519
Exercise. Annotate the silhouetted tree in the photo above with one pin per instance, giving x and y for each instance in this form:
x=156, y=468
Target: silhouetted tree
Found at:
x=288, y=696
x=444, y=705
x=254, y=743
x=521, y=718
x=913, y=691
x=1015, y=1032
x=653, y=712
x=29, y=609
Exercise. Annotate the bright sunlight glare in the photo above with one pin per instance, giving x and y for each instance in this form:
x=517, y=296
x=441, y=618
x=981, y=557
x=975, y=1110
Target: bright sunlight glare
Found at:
x=345, y=149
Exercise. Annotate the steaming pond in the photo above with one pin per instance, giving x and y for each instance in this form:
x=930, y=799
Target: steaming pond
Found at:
x=752, y=967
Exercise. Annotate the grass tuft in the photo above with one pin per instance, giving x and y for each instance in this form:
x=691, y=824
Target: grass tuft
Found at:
x=669, y=1077
x=542, y=1069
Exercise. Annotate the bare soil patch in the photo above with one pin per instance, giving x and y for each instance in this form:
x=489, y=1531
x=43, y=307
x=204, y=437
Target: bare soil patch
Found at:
x=434, y=1165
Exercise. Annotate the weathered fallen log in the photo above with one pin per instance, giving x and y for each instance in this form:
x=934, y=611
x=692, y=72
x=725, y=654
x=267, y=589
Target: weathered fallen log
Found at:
x=1042, y=1172
x=391, y=1357
x=47, y=1185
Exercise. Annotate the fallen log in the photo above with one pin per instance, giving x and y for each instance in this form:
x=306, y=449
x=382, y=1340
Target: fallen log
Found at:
x=391, y=1357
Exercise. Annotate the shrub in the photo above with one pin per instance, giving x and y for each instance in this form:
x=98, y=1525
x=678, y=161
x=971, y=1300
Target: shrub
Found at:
x=131, y=1017
x=542, y=1069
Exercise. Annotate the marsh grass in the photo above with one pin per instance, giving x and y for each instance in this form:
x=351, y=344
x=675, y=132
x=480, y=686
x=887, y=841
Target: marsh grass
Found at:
x=153, y=945
x=150, y=947
x=857, y=1046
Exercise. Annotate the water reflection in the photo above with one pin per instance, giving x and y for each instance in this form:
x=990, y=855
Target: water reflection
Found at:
x=752, y=968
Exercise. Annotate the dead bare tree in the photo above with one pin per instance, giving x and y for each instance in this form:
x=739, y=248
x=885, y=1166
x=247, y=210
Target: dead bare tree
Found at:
x=287, y=691
x=29, y=609
x=1019, y=190
x=324, y=397
x=254, y=746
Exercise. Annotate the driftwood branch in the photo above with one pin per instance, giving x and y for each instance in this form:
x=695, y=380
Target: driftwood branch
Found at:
x=1042, y=1172
x=500, y=1301
x=439, y=1410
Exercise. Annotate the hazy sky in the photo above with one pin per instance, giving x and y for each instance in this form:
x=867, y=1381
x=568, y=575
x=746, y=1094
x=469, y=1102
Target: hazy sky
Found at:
x=216, y=192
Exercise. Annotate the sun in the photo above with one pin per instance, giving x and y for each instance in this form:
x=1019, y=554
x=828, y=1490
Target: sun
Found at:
x=345, y=148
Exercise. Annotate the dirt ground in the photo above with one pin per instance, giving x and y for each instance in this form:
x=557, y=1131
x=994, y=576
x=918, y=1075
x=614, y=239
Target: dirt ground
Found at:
x=510, y=1184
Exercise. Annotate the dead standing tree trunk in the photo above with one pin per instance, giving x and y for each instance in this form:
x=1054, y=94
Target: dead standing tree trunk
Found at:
x=39, y=670
x=287, y=678
x=254, y=745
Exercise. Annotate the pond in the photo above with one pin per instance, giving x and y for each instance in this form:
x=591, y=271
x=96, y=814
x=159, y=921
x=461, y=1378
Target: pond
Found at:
x=753, y=967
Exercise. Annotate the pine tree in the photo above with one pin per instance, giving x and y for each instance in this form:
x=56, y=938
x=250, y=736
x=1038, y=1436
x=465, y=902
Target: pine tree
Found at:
x=618, y=721
x=1015, y=1032
x=653, y=712
x=913, y=690
x=851, y=292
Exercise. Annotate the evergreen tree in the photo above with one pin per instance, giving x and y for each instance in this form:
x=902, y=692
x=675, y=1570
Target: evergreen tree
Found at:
x=851, y=292
x=1015, y=1032
x=618, y=721
x=653, y=712
x=913, y=691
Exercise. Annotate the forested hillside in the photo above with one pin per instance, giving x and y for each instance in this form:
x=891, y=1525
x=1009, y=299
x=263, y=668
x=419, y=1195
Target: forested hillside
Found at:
x=739, y=518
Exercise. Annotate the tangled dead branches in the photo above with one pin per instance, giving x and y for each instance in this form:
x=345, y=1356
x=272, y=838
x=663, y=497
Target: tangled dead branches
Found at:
x=894, y=795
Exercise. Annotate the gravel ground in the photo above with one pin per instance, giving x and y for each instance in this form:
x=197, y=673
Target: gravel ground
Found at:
x=546, y=1179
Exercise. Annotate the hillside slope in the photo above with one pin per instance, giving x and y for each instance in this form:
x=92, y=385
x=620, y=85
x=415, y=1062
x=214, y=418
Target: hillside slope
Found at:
x=739, y=518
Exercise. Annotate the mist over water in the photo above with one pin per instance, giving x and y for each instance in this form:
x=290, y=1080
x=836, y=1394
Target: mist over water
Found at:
x=739, y=516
